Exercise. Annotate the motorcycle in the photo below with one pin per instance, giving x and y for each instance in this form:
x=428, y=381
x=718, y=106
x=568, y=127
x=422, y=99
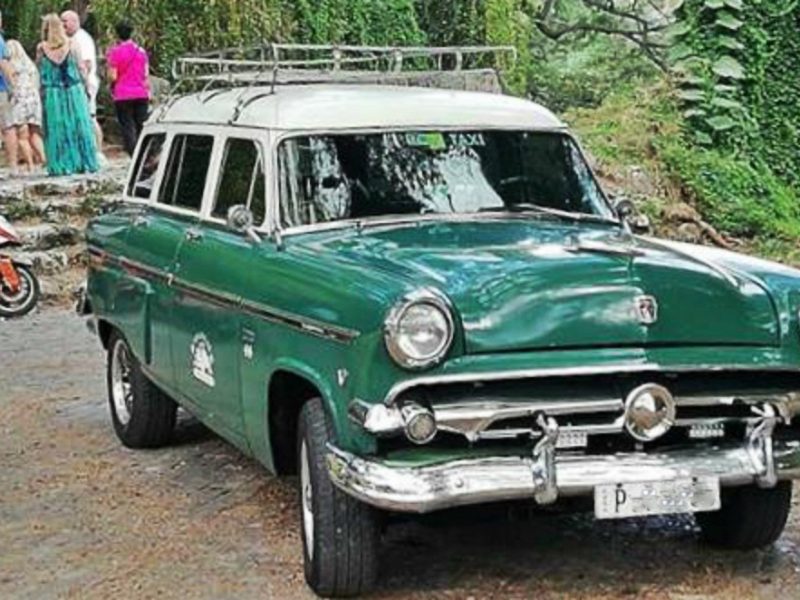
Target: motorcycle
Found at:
x=19, y=288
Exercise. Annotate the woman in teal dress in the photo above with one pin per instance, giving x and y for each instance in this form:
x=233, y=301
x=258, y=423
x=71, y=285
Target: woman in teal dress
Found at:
x=68, y=130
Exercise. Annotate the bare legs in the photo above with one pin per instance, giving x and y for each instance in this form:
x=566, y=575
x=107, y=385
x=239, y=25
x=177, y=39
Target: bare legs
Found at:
x=24, y=142
x=98, y=133
x=11, y=143
x=38, y=145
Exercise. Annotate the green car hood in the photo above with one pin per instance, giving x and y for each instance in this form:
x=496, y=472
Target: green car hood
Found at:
x=530, y=284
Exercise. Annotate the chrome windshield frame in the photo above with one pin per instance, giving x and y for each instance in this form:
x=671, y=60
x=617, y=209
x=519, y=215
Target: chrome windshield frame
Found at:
x=276, y=228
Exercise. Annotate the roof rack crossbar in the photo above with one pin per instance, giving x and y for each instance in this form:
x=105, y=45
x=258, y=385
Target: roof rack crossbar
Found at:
x=273, y=65
x=336, y=58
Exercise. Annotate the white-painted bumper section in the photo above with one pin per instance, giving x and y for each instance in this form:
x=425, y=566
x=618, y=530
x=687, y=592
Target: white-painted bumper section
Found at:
x=545, y=475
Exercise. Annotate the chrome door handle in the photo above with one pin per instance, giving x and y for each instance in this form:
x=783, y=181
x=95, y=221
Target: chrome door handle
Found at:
x=193, y=235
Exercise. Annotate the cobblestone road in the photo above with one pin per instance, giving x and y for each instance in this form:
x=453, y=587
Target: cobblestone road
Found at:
x=82, y=517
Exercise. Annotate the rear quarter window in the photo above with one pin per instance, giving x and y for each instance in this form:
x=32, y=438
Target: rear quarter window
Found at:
x=146, y=166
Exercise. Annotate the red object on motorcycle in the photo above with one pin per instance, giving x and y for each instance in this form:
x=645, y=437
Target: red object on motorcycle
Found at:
x=9, y=235
x=9, y=275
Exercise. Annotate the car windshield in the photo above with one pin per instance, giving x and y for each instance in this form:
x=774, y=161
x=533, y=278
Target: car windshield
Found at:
x=327, y=178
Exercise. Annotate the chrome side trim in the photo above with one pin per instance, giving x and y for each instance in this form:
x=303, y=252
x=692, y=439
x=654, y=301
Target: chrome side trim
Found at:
x=475, y=377
x=223, y=300
x=479, y=480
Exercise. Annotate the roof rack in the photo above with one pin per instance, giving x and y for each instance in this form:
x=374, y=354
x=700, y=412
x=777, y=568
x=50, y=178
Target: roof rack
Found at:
x=270, y=64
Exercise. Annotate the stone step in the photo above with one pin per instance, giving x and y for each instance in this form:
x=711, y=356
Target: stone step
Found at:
x=45, y=262
x=27, y=188
x=56, y=209
x=47, y=236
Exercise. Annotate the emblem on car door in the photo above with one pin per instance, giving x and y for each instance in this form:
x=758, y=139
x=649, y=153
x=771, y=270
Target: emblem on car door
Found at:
x=646, y=309
x=202, y=359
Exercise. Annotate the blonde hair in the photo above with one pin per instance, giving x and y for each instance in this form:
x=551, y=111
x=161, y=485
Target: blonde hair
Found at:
x=17, y=54
x=53, y=33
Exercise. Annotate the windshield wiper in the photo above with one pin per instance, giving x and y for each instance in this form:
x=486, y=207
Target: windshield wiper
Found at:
x=526, y=207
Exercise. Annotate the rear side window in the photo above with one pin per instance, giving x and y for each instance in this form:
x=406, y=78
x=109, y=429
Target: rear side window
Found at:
x=187, y=168
x=241, y=179
x=144, y=173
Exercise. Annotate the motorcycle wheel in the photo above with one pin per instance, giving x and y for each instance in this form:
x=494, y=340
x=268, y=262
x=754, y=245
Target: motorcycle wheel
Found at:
x=22, y=302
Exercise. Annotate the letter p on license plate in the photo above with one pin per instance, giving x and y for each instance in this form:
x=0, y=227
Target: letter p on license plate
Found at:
x=689, y=495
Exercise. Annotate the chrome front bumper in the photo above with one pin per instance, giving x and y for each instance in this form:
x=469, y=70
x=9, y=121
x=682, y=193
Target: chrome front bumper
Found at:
x=546, y=475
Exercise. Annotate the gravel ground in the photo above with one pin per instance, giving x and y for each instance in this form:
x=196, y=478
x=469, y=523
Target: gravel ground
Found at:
x=82, y=517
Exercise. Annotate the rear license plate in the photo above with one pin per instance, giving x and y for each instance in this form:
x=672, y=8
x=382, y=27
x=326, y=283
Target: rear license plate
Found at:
x=617, y=501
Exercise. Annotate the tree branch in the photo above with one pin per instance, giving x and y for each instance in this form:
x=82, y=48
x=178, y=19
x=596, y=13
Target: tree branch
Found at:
x=629, y=25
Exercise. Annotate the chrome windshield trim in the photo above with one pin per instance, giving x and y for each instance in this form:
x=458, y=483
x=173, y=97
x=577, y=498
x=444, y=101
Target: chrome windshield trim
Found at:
x=427, y=380
x=408, y=220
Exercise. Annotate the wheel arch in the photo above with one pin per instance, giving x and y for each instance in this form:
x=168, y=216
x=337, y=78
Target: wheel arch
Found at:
x=104, y=331
x=288, y=389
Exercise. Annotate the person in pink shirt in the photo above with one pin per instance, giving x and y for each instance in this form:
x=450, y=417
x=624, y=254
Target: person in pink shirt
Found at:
x=129, y=75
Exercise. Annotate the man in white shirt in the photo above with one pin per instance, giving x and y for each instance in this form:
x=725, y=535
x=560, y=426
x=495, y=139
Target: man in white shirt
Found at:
x=88, y=51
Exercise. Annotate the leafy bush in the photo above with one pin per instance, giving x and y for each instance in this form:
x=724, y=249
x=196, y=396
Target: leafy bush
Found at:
x=643, y=127
x=741, y=197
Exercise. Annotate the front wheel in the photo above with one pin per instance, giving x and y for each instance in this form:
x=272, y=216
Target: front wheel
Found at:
x=340, y=534
x=143, y=415
x=750, y=517
x=20, y=299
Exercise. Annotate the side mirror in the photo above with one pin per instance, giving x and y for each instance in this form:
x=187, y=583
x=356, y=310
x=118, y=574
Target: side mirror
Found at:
x=624, y=207
x=626, y=211
x=240, y=219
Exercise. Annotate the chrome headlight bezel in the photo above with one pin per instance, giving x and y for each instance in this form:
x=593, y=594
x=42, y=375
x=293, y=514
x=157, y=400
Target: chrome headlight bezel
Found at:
x=394, y=320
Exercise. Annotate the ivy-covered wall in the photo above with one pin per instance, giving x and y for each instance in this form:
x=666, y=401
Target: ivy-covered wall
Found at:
x=738, y=65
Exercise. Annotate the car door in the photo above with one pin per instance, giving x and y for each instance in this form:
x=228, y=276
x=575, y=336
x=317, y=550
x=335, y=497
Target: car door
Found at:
x=151, y=244
x=211, y=278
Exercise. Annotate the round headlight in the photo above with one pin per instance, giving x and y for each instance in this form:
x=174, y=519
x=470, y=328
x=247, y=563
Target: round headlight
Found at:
x=419, y=332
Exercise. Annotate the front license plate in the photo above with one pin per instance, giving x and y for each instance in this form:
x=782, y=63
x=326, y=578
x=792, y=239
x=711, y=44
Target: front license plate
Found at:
x=617, y=501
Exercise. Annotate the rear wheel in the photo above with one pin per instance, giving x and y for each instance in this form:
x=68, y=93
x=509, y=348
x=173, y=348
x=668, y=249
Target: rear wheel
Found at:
x=22, y=299
x=143, y=416
x=340, y=534
x=750, y=517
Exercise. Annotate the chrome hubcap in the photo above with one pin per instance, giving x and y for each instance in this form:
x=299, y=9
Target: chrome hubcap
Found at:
x=307, y=497
x=121, y=388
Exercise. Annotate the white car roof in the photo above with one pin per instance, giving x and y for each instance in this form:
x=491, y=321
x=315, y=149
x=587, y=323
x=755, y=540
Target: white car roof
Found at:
x=335, y=107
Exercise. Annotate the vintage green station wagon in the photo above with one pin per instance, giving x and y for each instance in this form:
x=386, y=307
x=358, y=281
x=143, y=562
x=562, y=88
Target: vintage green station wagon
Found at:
x=416, y=299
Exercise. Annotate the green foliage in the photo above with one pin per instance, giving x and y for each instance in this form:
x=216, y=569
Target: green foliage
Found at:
x=738, y=64
x=585, y=72
x=642, y=127
x=22, y=18
x=357, y=22
x=707, y=55
x=169, y=28
x=741, y=197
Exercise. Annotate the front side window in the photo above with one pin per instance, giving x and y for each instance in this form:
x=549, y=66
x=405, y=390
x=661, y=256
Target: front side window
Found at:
x=187, y=169
x=241, y=180
x=351, y=176
x=144, y=172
